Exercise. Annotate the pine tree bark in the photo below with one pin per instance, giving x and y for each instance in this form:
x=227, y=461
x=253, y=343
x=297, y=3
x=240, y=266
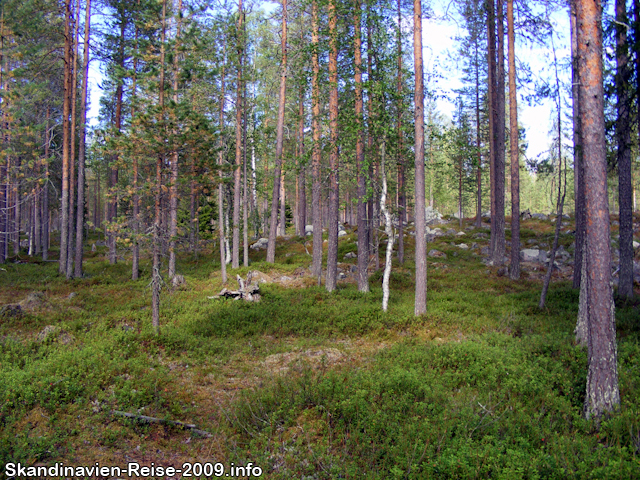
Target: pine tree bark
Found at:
x=492, y=100
x=113, y=203
x=175, y=157
x=66, y=110
x=363, y=237
x=135, y=249
x=514, y=267
x=235, y=248
x=221, y=235
x=602, y=394
x=623, y=134
x=578, y=164
x=273, y=224
x=301, y=196
x=498, y=253
x=82, y=145
x=156, y=278
x=421, y=240
x=72, y=173
x=479, y=167
x=316, y=268
x=332, y=221
x=46, y=224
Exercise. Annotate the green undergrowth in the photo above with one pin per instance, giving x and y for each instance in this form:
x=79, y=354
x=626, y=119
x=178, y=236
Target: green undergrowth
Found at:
x=484, y=385
x=491, y=406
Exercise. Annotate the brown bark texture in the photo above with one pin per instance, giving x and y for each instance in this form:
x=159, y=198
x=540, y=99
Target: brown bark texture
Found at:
x=235, y=245
x=578, y=165
x=316, y=269
x=623, y=134
x=332, y=223
x=421, y=240
x=66, y=109
x=273, y=223
x=602, y=394
x=363, y=238
x=82, y=145
x=514, y=267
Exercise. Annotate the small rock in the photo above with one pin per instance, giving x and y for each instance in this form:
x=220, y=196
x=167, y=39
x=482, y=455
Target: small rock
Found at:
x=529, y=255
x=72, y=295
x=260, y=244
x=350, y=255
x=10, y=311
x=436, y=253
x=342, y=276
x=46, y=332
x=34, y=300
x=463, y=246
x=460, y=234
x=341, y=233
x=636, y=244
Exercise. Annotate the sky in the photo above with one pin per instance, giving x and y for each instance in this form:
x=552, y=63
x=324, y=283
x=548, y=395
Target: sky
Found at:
x=439, y=42
x=439, y=50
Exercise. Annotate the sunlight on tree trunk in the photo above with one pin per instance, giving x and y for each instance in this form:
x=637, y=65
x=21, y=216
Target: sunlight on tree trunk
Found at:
x=421, y=240
x=602, y=394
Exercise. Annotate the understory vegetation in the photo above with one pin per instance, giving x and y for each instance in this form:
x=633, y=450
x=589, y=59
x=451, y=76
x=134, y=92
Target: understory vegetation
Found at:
x=310, y=384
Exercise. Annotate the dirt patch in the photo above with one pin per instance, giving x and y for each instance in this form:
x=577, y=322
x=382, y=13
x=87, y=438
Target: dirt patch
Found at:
x=282, y=362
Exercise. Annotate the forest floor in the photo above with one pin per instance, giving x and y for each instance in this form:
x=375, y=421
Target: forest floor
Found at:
x=309, y=384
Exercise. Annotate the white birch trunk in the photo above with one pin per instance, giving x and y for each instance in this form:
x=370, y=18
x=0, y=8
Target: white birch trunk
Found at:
x=388, y=228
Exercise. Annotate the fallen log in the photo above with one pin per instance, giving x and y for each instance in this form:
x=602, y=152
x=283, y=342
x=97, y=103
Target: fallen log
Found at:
x=247, y=291
x=147, y=419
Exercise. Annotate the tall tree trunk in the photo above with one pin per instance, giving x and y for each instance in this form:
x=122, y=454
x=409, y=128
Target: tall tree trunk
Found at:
x=72, y=173
x=156, y=279
x=402, y=199
x=82, y=143
x=66, y=110
x=493, y=99
x=514, y=268
x=46, y=224
x=623, y=133
x=316, y=211
x=273, y=224
x=173, y=187
x=4, y=188
x=373, y=164
x=113, y=203
x=245, y=199
x=476, y=66
x=282, y=224
x=301, y=185
x=578, y=164
x=388, y=228
x=332, y=221
x=363, y=237
x=602, y=394
x=235, y=249
x=221, y=234
x=135, y=249
x=498, y=253
x=421, y=239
